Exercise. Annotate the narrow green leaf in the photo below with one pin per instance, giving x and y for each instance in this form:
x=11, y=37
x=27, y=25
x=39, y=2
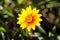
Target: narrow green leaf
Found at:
x=3, y=37
x=54, y=28
x=41, y=30
x=2, y=29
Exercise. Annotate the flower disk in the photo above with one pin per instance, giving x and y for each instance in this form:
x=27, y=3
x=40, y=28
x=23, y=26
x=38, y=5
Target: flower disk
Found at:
x=29, y=18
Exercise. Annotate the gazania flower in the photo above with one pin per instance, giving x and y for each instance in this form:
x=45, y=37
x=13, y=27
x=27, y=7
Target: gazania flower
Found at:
x=29, y=18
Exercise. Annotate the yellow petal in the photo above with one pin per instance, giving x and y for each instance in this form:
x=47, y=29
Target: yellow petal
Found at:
x=35, y=11
x=28, y=29
x=29, y=7
x=38, y=15
x=33, y=27
x=23, y=11
x=39, y=19
x=18, y=22
x=19, y=14
x=28, y=10
x=23, y=25
x=37, y=24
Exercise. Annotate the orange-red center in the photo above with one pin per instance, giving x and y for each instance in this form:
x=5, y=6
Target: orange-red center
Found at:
x=29, y=18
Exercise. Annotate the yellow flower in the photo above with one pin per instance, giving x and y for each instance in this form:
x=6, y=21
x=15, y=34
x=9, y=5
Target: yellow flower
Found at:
x=29, y=18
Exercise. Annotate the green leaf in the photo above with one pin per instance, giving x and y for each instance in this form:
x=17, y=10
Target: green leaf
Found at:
x=20, y=1
x=8, y=13
x=7, y=1
x=58, y=37
x=54, y=28
x=41, y=30
x=52, y=3
x=40, y=3
x=3, y=36
x=2, y=29
x=57, y=20
x=59, y=13
x=40, y=38
x=24, y=32
x=37, y=34
x=50, y=34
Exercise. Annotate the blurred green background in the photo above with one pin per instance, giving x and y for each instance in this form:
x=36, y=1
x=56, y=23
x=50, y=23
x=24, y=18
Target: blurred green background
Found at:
x=50, y=26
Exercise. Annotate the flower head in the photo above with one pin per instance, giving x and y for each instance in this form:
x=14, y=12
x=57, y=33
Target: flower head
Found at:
x=29, y=18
